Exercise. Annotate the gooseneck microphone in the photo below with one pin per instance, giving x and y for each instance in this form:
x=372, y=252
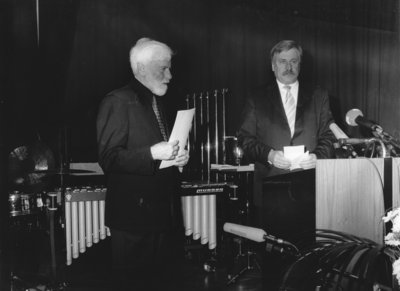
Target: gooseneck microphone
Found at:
x=355, y=117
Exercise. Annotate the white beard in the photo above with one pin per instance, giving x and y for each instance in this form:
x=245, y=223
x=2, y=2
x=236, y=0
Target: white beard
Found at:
x=160, y=90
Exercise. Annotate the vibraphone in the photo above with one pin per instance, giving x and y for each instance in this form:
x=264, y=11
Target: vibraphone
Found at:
x=84, y=220
x=199, y=205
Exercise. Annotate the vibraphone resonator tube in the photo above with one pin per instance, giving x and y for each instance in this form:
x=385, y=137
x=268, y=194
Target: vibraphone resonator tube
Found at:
x=84, y=220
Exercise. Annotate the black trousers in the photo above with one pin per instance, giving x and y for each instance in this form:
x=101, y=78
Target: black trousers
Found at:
x=146, y=261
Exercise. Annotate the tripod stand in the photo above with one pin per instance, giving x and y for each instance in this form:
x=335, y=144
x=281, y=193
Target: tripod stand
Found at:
x=245, y=253
x=250, y=261
x=56, y=283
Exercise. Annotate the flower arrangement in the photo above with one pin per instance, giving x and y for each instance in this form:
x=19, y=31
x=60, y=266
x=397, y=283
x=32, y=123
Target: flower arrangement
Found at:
x=393, y=239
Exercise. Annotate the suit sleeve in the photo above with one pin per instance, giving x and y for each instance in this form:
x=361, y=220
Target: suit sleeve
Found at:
x=112, y=138
x=324, y=148
x=253, y=148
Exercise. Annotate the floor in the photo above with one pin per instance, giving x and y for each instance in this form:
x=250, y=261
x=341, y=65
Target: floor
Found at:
x=231, y=268
x=201, y=269
x=192, y=276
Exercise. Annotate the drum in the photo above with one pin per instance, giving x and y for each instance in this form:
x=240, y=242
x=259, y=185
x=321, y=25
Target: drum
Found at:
x=24, y=204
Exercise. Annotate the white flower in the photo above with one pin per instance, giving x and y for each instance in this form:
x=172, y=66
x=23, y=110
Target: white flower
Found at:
x=396, y=224
x=392, y=239
x=387, y=217
x=391, y=215
x=396, y=269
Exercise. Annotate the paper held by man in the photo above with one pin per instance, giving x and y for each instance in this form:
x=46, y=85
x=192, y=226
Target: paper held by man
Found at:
x=180, y=132
x=295, y=154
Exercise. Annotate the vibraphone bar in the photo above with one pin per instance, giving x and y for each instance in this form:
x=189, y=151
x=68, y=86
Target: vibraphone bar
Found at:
x=84, y=220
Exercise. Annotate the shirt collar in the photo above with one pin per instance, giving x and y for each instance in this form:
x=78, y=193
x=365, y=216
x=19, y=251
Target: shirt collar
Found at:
x=141, y=89
x=293, y=86
x=294, y=89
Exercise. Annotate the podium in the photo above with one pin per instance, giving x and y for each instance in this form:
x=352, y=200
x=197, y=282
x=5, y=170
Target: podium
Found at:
x=288, y=206
x=352, y=195
x=347, y=195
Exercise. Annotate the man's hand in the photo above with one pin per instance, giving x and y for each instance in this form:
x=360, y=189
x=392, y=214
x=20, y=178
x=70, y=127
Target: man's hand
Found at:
x=278, y=160
x=309, y=162
x=182, y=158
x=165, y=150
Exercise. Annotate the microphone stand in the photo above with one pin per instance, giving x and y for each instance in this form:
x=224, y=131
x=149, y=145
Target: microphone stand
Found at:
x=272, y=244
x=53, y=207
x=384, y=151
x=391, y=144
x=368, y=142
x=251, y=262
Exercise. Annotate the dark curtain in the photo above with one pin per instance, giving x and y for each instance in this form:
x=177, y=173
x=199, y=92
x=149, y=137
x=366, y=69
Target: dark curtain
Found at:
x=38, y=56
x=351, y=48
x=57, y=34
x=22, y=71
x=5, y=88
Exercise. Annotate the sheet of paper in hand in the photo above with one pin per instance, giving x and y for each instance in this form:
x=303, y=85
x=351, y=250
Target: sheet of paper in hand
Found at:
x=180, y=132
x=295, y=154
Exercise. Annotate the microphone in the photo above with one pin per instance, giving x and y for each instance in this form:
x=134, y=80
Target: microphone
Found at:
x=251, y=233
x=337, y=132
x=259, y=235
x=355, y=117
x=269, y=247
x=347, y=150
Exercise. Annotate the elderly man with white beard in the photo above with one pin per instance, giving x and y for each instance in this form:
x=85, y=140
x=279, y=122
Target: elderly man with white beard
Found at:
x=142, y=203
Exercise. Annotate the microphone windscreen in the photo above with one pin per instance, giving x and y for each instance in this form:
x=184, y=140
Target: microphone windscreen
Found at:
x=248, y=232
x=351, y=116
x=337, y=132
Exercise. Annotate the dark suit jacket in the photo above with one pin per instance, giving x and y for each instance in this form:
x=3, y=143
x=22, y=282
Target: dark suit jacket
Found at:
x=139, y=194
x=265, y=127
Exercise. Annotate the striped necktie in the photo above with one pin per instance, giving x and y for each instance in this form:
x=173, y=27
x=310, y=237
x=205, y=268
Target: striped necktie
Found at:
x=160, y=119
x=290, y=109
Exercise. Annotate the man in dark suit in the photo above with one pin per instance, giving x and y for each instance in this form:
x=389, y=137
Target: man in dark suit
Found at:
x=265, y=129
x=142, y=203
x=286, y=113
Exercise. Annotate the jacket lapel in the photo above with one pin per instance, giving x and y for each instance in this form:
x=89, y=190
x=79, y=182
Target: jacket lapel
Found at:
x=302, y=101
x=277, y=107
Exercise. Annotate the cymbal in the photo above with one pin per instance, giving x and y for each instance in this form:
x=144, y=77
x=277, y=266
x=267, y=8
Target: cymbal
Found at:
x=62, y=171
x=24, y=160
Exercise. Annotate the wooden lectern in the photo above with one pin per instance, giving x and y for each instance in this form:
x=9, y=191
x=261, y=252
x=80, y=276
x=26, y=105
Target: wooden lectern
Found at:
x=352, y=195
